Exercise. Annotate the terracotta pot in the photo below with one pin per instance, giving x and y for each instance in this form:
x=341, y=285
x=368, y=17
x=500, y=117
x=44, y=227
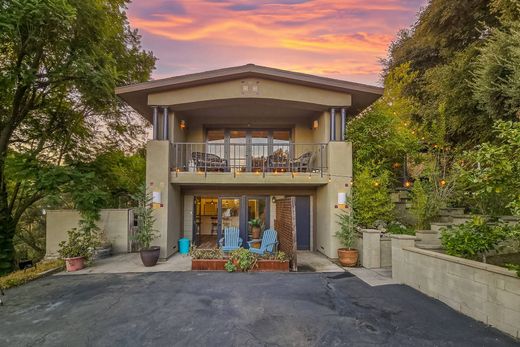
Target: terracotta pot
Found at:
x=255, y=233
x=74, y=264
x=348, y=257
x=150, y=256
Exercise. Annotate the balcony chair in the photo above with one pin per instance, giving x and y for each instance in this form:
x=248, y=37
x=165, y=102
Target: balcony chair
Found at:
x=302, y=163
x=231, y=239
x=209, y=162
x=268, y=243
x=278, y=161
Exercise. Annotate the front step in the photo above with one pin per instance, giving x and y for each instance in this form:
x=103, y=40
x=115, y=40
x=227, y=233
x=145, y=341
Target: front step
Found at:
x=427, y=246
x=451, y=211
x=428, y=237
x=437, y=226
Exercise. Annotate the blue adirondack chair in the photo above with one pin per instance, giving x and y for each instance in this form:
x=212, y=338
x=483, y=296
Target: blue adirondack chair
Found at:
x=268, y=242
x=231, y=239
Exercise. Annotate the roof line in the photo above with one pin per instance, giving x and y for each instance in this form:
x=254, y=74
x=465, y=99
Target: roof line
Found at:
x=245, y=69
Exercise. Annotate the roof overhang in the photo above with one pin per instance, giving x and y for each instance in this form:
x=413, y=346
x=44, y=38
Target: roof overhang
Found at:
x=137, y=95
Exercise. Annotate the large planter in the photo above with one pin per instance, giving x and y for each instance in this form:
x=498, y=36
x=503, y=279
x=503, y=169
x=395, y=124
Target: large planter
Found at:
x=74, y=264
x=348, y=257
x=255, y=232
x=218, y=265
x=150, y=256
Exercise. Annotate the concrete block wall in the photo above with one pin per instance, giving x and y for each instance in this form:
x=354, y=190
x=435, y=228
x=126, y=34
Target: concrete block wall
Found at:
x=115, y=223
x=487, y=293
x=375, y=250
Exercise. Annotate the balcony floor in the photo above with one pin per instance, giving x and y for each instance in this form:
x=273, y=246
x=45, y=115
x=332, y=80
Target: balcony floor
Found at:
x=248, y=178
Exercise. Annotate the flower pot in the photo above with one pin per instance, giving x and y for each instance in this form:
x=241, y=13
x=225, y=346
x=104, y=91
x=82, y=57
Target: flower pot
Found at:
x=102, y=252
x=150, y=256
x=255, y=233
x=348, y=257
x=74, y=264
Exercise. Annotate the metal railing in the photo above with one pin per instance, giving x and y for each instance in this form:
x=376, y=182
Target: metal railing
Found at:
x=229, y=157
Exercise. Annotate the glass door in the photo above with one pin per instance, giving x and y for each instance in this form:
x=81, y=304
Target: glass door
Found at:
x=257, y=209
x=229, y=214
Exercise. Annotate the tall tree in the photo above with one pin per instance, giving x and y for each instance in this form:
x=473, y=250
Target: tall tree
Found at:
x=60, y=61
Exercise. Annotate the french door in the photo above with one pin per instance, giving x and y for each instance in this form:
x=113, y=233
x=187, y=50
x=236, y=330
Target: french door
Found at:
x=237, y=211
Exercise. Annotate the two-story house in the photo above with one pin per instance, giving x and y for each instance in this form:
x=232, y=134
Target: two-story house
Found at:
x=228, y=143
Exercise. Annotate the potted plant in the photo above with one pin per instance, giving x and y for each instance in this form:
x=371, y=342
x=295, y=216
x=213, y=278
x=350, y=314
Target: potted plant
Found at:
x=256, y=228
x=104, y=250
x=76, y=249
x=145, y=232
x=348, y=256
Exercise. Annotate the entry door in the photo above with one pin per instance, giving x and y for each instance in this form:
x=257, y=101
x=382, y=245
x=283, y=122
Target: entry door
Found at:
x=303, y=223
x=229, y=214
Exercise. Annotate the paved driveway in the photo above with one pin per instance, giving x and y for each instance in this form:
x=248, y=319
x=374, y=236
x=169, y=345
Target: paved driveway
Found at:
x=221, y=309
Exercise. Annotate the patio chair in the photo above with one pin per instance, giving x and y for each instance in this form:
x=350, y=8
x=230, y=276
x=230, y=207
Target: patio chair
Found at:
x=268, y=242
x=302, y=163
x=209, y=162
x=231, y=239
x=278, y=161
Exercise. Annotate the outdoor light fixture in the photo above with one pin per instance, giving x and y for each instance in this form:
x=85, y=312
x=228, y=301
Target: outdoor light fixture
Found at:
x=273, y=199
x=315, y=124
x=342, y=199
x=182, y=124
x=407, y=184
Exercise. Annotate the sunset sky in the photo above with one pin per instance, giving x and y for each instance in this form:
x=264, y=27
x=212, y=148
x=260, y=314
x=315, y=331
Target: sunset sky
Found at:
x=336, y=38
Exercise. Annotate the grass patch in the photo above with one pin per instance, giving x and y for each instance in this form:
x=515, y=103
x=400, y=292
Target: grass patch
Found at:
x=17, y=278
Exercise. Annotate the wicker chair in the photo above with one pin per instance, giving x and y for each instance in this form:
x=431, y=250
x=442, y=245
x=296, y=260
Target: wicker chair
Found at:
x=209, y=162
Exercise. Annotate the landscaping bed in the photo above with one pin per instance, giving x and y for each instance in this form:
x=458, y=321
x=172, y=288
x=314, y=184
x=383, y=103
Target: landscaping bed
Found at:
x=41, y=269
x=219, y=265
x=238, y=260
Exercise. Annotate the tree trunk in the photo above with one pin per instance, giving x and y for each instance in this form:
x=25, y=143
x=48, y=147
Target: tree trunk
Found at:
x=7, y=230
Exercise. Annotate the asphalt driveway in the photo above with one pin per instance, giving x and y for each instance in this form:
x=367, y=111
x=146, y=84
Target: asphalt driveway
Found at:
x=221, y=309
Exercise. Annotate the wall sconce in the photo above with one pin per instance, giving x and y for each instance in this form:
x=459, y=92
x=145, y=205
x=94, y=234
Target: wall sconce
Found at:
x=182, y=124
x=315, y=124
x=156, y=199
x=342, y=200
x=273, y=199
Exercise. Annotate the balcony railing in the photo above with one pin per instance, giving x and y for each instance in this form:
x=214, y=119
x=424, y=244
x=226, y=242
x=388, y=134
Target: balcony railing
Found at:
x=226, y=157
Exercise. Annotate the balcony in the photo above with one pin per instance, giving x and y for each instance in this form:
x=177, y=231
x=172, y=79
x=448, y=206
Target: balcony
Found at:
x=287, y=163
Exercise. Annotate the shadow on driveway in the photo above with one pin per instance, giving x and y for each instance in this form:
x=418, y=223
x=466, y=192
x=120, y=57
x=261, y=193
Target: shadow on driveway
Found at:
x=237, y=309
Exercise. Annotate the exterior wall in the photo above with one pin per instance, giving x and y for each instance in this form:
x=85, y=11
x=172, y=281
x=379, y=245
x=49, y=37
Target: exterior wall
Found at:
x=115, y=223
x=487, y=293
x=340, y=168
x=169, y=213
x=266, y=89
x=188, y=216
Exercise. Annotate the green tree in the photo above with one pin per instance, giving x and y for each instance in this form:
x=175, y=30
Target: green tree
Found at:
x=60, y=61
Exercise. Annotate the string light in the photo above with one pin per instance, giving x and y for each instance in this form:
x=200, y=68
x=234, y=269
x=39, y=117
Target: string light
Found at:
x=407, y=184
x=442, y=183
x=376, y=184
x=330, y=179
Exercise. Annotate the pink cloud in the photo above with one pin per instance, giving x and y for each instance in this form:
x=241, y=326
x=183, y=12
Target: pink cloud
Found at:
x=336, y=38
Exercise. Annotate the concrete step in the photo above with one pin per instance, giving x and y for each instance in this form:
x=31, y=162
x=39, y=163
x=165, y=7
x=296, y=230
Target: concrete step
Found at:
x=451, y=211
x=427, y=246
x=443, y=219
x=428, y=236
x=437, y=226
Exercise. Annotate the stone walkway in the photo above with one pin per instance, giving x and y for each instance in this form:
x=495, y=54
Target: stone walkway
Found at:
x=316, y=262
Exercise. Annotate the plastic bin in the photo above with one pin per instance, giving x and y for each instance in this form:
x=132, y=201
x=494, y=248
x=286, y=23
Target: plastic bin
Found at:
x=184, y=246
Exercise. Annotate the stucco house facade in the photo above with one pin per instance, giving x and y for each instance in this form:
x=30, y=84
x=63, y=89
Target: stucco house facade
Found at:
x=228, y=143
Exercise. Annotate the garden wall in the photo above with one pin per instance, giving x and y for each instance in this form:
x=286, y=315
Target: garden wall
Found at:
x=116, y=223
x=374, y=249
x=487, y=293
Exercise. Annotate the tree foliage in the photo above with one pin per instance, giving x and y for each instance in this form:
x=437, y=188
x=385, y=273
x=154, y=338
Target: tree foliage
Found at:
x=60, y=61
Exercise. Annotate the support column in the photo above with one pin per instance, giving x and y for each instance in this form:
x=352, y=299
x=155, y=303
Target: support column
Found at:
x=332, y=136
x=165, y=123
x=371, y=258
x=343, y=123
x=155, y=124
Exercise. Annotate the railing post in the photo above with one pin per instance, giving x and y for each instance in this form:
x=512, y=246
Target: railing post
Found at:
x=321, y=159
x=155, y=124
x=343, y=123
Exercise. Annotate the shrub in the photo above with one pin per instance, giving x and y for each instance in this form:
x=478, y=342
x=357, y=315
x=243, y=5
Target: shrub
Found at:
x=18, y=278
x=473, y=239
x=346, y=233
x=371, y=197
x=79, y=244
x=399, y=229
x=240, y=259
x=144, y=212
x=197, y=253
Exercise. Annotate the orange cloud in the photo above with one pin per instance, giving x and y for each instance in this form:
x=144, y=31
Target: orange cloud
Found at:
x=337, y=38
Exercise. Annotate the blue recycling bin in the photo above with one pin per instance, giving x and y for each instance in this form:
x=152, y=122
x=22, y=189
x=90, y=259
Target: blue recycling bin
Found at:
x=184, y=246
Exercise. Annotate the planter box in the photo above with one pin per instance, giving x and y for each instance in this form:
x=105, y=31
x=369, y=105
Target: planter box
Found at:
x=218, y=265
